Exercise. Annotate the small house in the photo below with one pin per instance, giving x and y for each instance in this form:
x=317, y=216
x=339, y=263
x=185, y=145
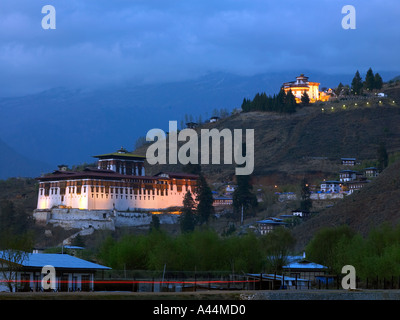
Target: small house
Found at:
x=222, y=201
x=351, y=186
x=348, y=161
x=331, y=186
x=300, y=213
x=347, y=175
x=371, y=172
x=268, y=225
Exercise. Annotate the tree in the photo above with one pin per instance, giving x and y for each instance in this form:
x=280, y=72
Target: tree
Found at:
x=339, y=89
x=277, y=245
x=378, y=82
x=187, y=218
x=306, y=202
x=279, y=101
x=290, y=102
x=14, y=250
x=383, y=158
x=204, y=200
x=12, y=219
x=192, y=168
x=369, y=80
x=155, y=223
x=323, y=247
x=305, y=99
x=243, y=198
x=357, y=84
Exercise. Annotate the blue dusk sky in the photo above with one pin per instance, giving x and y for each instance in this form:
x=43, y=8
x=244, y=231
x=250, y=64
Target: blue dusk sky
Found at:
x=102, y=42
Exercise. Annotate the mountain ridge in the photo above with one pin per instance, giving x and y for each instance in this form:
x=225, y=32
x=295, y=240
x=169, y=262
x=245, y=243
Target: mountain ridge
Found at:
x=68, y=126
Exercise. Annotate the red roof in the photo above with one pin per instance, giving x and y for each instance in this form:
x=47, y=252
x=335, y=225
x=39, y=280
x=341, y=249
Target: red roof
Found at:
x=90, y=173
x=93, y=173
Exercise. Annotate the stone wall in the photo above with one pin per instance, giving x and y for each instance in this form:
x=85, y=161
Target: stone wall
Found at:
x=98, y=219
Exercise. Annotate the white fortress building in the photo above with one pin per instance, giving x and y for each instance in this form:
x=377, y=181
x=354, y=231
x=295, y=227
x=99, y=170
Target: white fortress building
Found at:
x=117, y=187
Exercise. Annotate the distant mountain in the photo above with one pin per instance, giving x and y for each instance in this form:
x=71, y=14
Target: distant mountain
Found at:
x=13, y=164
x=69, y=126
x=396, y=79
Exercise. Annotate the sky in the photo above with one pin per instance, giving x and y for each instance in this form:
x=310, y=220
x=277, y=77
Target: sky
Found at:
x=102, y=42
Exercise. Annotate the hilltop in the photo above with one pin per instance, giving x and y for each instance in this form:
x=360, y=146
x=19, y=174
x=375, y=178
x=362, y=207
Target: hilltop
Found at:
x=310, y=142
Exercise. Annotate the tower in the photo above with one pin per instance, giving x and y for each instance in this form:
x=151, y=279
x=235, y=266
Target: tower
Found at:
x=122, y=162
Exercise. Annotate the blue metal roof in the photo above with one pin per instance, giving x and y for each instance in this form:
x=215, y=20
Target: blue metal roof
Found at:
x=64, y=261
x=270, y=221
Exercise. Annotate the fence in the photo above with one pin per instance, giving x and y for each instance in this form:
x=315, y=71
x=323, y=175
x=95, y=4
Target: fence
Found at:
x=181, y=281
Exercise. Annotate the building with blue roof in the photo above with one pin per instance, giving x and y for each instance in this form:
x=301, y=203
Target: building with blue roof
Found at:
x=299, y=266
x=268, y=225
x=71, y=273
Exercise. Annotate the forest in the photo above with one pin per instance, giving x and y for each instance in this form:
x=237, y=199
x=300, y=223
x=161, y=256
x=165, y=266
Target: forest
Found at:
x=201, y=250
x=282, y=102
x=376, y=254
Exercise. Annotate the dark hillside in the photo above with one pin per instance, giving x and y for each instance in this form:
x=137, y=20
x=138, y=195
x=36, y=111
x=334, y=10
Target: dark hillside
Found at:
x=311, y=141
x=374, y=204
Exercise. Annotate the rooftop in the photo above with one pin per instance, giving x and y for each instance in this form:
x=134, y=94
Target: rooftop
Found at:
x=120, y=154
x=61, y=261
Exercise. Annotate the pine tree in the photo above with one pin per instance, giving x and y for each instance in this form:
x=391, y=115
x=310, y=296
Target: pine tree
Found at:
x=306, y=202
x=357, y=84
x=187, y=218
x=369, y=80
x=204, y=200
x=378, y=82
x=290, y=102
x=155, y=223
x=305, y=99
x=339, y=89
x=246, y=105
x=383, y=158
x=279, y=103
x=243, y=196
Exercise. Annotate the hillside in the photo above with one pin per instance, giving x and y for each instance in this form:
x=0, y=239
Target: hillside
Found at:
x=374, y=204
x=310, y=142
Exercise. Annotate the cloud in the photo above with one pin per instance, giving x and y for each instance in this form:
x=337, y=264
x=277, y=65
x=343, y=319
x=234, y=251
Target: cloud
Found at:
x=100, y=41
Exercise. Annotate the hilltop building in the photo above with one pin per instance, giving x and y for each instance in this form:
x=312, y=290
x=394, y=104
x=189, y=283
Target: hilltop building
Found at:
x=118, y=184
x=302, y=85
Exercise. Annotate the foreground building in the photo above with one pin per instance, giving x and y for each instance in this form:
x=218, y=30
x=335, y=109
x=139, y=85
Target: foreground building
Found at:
x=71, y=273
x=118, y=184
